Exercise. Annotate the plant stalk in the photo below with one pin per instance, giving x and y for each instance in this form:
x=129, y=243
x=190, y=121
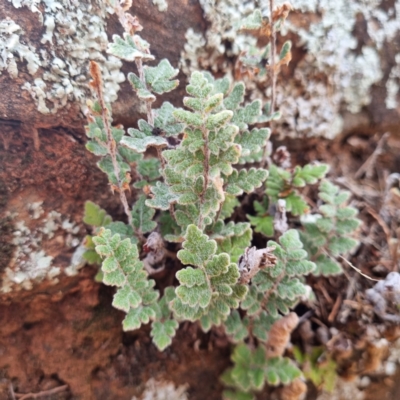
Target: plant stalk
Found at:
x=111, y=145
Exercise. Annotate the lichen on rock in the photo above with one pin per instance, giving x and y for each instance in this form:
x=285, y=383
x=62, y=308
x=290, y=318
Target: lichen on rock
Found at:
x=11, y=48
x=35, y=248
x=162, y=5
x=74, y=34
x=339, y=68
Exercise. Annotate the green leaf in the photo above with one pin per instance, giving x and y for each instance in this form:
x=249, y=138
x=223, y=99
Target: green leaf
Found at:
x=199, y=295
x=159, y=77
x=341, y=245
x=296, y=205
x=121, y=267
x=213, y=102
x=114, y=278
x=264, y=225
x=245, y=180
x=247, y=115
x=252, y=142
x=187, y=117
x=229, y=205
x=106, y=165
x=165, y=120
x=248, y=370
x=326, y=266
x=199, y=86
x=253, y=21
x=262, y=324
x=347, y=226
x=110, y=264
x=139, y=141
x=129, y=155
x=220, y=139
x=191, y=277
x=149, y=168
x=142, y=216
x=197, y=248
x=95, y=216
x=281, y=370
x=220, y=85
x=218, y=120
x=163, y=332
x=236, y=97
x=291, y=240
x=129, y=48
x=140, y=88
x=162, y=197
x=236, y=244
x=285, y=49
x=309, y=174
x=91, y=257
x=136, y=317
x=96, y=148
x=125, y=298
x=236, y=327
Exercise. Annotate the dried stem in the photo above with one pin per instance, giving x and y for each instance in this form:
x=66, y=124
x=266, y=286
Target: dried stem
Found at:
x=358, y=270
x=111, y=145
x=172, y=211
x=43, y=393
x=367, y=167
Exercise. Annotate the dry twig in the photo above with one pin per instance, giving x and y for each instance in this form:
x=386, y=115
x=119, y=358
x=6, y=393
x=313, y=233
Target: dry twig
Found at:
x=358, y=270
x=43, y=393
x=371, y=160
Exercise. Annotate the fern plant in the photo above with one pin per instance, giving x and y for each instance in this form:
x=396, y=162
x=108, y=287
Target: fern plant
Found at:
x=187, y=195
x=330, y=233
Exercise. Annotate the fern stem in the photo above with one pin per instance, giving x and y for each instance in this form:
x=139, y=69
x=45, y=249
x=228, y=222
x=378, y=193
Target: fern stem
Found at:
x=149, y=111
x=111, y=145
x=267, y=295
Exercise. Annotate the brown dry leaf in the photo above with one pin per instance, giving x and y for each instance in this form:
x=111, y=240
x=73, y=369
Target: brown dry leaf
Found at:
x=282, y=12
x=95, y=73
x=279, y=335
x=241, y=70
x=132, y=24
x=376, y=352
x=285, y=61
x=253, y=260
x=263, y=32
x=294, y=390
x=147, y=190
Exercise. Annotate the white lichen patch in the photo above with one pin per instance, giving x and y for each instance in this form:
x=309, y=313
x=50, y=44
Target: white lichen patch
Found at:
x=12, y=50
x=162, y=5
x=337, y=72
x=31, y=262
x=393, y=85
x=74, y=34
x=160, y=390
x=35, y=209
